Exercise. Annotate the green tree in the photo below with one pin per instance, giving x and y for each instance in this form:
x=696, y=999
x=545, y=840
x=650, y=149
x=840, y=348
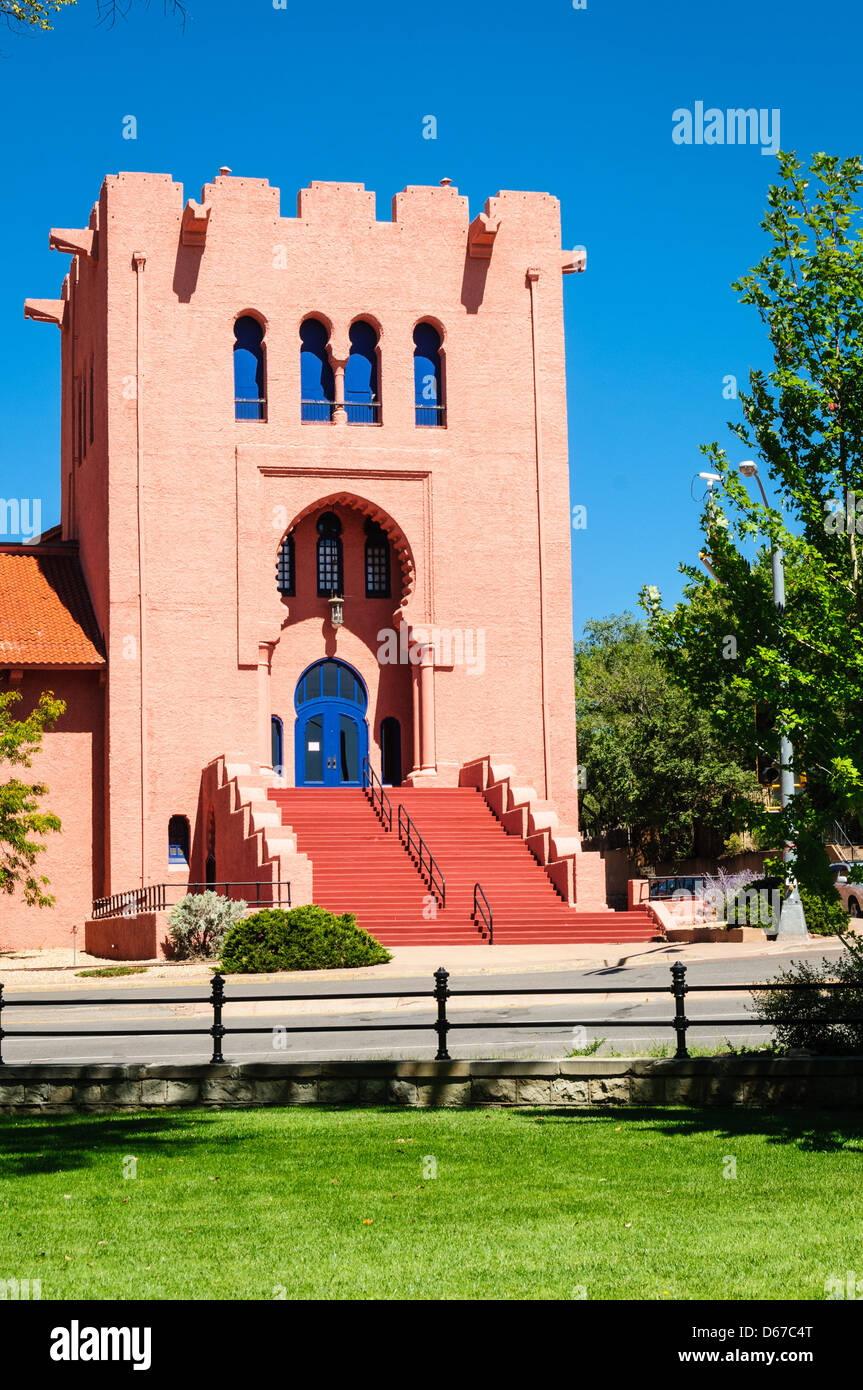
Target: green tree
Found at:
x=20, y=817
x=651, y=761
x=799, y=670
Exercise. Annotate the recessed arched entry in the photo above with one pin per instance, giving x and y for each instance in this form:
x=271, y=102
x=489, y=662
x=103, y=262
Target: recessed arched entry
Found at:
x=332, y=735
x=391, y=752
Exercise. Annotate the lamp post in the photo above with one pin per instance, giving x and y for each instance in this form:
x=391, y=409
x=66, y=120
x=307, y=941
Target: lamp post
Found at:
x=792, y=919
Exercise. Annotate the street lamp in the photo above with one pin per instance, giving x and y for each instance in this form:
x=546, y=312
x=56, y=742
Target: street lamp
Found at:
x=792, y=919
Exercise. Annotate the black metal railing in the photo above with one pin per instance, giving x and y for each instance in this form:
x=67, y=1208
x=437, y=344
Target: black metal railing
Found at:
x=363, y=412
x=439, y=995
x=156, y=897
x=418, y=849
x=481, y=909
x=373, y=787
x=250, y=408
x=316, y=411
x=666, y=886
x=431, y=415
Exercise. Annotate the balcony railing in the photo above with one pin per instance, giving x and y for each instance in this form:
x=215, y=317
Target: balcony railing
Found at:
x=431, y=416
x=363, y=412
x=320, y=412
x=250, y=409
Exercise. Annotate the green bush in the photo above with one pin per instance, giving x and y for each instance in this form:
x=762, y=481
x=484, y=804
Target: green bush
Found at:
x=198, y=923
x=806, y=1019
x=826, y=914
x=305, y=938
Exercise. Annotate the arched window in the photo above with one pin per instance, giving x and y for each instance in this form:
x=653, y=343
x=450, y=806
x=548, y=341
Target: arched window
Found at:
x=285, y=569
x=249, y=389
x=377, y=561
x=330, y=577
x=428, y=378
x=277, y=741
x=178, y=842
x=361, y=376
x=317, y=388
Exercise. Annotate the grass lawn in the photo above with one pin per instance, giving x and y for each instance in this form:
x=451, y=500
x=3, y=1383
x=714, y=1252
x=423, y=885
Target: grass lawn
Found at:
x=342, y=1204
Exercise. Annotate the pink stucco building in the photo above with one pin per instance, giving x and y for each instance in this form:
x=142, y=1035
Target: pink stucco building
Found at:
x=315, y=508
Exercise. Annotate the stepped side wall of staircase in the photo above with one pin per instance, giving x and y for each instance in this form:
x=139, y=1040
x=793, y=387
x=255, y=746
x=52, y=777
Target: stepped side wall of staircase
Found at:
x=577, y=874
x=252, y=844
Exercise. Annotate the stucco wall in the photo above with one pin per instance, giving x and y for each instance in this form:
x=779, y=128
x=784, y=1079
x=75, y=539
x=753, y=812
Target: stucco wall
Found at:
x=70, y=764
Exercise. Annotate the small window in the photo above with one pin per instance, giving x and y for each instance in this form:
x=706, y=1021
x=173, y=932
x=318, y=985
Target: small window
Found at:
x=249, y=394
x=330, y=578
x=285, y=569
x=377, y=561
x=277, y=739
x=178, y=842
x=92, y=417
x=428, y=376
x=317, y=384
x=361, y=376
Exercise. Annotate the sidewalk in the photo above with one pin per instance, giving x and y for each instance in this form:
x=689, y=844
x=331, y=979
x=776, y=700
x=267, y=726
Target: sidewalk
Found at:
x=54, y=969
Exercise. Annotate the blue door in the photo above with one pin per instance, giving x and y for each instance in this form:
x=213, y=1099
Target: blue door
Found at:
x=332, y=736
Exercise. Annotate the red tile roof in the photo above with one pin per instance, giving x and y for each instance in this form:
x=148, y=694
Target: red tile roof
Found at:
x=46, y=617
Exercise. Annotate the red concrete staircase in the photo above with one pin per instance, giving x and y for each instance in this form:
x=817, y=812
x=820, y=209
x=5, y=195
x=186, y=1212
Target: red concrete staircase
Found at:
x=358, y=866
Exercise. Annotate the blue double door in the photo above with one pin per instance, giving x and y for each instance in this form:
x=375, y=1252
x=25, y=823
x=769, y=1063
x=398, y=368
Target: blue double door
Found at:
x=332, y=736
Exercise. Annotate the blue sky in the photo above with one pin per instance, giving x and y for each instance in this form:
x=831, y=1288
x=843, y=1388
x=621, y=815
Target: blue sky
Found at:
x=575, y=102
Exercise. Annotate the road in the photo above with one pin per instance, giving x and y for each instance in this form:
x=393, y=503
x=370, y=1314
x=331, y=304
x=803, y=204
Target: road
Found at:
x=401, y=1028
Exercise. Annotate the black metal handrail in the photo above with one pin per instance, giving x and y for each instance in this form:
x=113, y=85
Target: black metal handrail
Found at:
x=440, y=994
x=484, y=910
x=426, y=863
x=156, y=897
x=430, y=415
x=250, y=407
x=381, y=803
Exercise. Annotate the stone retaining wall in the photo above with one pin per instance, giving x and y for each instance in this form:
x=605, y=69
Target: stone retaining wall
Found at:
x=587, y=1081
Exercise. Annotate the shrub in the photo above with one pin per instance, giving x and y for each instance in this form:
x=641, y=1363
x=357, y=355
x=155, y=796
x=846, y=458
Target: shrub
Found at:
x=826, y=914
x=198, y=923
x=305, y=938
x=806, y=1019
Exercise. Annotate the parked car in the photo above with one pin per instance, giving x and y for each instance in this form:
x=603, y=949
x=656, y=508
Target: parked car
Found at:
x=850, y=893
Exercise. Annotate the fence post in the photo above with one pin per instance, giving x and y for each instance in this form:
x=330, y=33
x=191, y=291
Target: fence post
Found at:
x=678, y=989
x=2, y=1033
x=217, y=999
x=441, y=993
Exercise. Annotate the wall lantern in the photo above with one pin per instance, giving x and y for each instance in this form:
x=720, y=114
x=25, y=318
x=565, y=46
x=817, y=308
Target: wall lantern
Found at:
x=337, y=610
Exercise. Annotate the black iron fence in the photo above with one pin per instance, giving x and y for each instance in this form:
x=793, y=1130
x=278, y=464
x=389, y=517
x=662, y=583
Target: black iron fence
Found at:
x=158, y=897
x=439, y=995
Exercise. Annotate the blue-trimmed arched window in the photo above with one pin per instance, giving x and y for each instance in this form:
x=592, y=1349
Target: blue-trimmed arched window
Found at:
x=428, y=377
x=361, y=376
x=331, y=680
x=178, y=842
x=330, y=572
x=286, y=572
x=250, y=396
x=317, y=387
x=377, y=561
x=277, y=741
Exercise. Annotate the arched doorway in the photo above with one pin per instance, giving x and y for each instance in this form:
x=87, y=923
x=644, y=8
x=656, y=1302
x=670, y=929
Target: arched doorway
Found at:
x=391, y=752
x=332, y=735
